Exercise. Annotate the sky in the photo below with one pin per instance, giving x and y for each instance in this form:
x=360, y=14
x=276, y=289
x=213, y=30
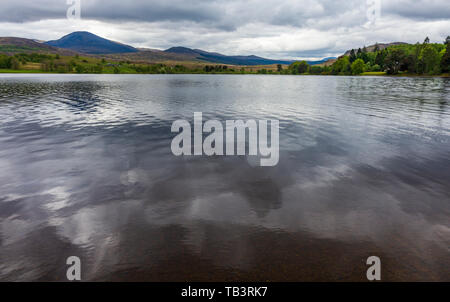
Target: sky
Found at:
x=279, y=29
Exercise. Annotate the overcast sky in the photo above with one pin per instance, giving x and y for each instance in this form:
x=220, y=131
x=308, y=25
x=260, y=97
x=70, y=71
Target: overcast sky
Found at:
x=270, y=28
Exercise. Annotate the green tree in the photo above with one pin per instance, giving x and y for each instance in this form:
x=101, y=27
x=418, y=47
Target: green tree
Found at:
x=98, y=68
x=417, y=66
x=316, y=69
x=430, y=60
x=410, y=63
x=352, y=56
x=15, y=64
x=72, y=64
x=363, y=55
x=5, y=62
x=377, y=47
x=445, y=61
x=358, y=67
x=341, y=66
x=299, y=67
x=279, y=68
x=379, y=59
x=79, y=68
x=394, y=60
x=376, y=67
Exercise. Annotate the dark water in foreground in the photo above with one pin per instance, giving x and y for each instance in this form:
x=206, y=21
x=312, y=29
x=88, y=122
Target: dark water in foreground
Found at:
x=86, y=170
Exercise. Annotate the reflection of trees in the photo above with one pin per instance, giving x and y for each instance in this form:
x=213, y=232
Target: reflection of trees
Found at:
x=80, y=96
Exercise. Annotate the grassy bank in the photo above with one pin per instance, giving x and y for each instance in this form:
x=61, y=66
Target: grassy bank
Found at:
x=374, y=73
x=22, y=71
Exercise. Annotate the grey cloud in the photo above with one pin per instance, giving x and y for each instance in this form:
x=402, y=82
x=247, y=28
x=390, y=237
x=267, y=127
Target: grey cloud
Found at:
x=113, y=10
x=225, y=15
x=419, y=9
x=152, y=11
x=270, y=28
x=29, y=10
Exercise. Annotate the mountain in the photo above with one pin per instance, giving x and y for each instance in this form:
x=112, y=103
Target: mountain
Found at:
x=86, y=42
x=13, y=45
x=93, y=45
x=328, y=62
x=213, y=57
x=183, y=51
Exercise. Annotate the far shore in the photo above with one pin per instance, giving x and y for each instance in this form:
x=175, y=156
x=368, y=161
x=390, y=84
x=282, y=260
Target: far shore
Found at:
x=377, y=74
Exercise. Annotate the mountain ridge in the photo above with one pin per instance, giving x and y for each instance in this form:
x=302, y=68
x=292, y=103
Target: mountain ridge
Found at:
x=89, y=43
x=371, y=48
x=214, y=57
x=11, y=45
x=86, y=42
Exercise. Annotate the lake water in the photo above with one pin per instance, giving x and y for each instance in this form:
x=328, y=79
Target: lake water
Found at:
x=86, y=170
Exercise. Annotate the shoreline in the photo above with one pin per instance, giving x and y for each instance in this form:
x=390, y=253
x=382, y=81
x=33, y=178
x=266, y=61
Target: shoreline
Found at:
x=444, y=75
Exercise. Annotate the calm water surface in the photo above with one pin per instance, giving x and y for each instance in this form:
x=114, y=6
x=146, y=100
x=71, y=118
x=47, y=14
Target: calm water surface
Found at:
x=86, y=169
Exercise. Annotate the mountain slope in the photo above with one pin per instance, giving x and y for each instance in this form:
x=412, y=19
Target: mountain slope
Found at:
x=86, y=42
x=213, y=57
x=372, y=48
x=12, y=45
x=90, y=44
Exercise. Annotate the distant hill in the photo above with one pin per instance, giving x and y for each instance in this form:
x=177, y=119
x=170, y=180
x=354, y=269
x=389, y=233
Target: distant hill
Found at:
x=213, y=57
x=183, y=51
x=12, y=45
x=86, y=42
x=90, y=44
x=372, y=48
x=328, y=62
x=319, y=62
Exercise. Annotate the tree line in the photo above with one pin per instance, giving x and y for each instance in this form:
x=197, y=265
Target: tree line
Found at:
x=421, y=58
